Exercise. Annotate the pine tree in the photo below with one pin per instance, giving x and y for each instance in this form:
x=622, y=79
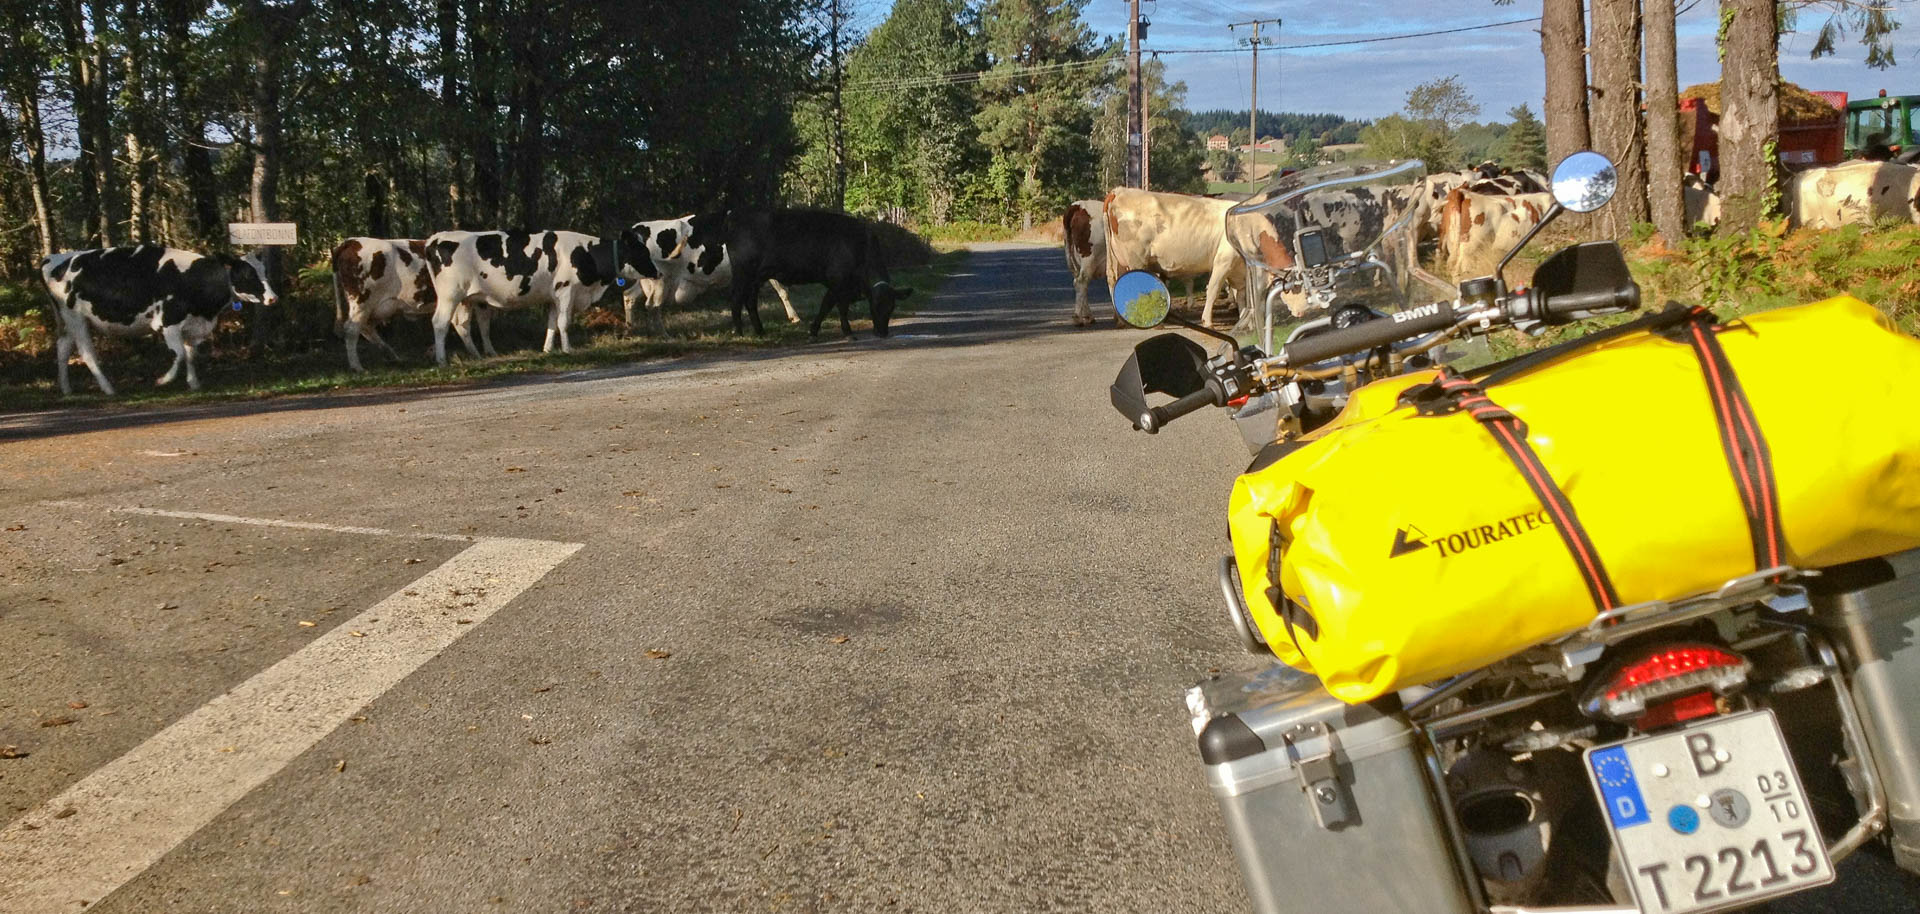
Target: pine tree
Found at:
x=1034, y=114
x=1525, y=145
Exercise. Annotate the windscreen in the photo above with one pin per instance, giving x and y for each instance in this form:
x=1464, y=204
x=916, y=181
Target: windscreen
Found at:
x=1328, y=238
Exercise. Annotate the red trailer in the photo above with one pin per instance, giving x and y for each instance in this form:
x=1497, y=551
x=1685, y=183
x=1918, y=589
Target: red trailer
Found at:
x=1808, y=137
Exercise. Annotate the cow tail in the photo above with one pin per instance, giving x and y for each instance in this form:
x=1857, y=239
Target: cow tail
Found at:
x=1066, y=227
x=339, y=301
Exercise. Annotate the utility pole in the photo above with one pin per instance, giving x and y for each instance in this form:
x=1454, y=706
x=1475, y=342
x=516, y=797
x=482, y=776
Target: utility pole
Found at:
x=836, y=23
x=1146, y=132
x=1253, y=106
x=1136, y=101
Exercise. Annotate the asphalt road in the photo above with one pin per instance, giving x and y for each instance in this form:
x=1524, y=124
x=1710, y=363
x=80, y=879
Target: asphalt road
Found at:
x=893, y=625
x=929, y=607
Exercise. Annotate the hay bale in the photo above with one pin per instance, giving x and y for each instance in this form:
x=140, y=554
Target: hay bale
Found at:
x=1797, y=105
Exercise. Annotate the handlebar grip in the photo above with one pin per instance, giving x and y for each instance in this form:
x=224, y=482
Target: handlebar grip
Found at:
x=1372, y=334
x=1573, y=306
x=1156, y=418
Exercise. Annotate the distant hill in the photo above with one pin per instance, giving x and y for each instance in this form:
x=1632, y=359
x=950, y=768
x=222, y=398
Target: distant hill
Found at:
x=1327, y=128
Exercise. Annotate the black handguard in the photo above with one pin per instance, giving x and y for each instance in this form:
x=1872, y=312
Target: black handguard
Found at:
x=1153, y=420
x=1393, y=328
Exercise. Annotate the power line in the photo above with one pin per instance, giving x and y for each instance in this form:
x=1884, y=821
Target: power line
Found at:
x=946, y=79
x=1353, y=41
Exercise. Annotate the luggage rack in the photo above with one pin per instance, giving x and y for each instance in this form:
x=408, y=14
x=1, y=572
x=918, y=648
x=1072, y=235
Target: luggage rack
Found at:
x=1768, y=587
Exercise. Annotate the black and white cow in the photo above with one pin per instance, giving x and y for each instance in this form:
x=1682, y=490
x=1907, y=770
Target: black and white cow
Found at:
x=566, y=271
x=144, y=290
x=376, y=279
x=807, y=247
x=684, y=259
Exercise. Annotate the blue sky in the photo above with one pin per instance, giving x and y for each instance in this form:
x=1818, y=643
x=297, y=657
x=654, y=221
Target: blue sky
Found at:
x=1500, y=67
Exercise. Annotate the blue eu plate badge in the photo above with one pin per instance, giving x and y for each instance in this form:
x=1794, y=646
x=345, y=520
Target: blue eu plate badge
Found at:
x=1618, y=789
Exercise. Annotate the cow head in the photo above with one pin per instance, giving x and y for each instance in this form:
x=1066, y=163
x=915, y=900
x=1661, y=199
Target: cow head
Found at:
x=635, y=260
x=249, y=278
x=882, y=297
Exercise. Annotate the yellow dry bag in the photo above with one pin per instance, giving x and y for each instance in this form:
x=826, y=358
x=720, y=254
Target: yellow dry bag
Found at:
x=1441, y=523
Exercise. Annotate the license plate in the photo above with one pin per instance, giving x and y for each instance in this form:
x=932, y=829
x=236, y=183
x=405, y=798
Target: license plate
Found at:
x=1709, y=817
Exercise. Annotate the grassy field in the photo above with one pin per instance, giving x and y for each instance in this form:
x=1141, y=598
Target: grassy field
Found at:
x=319, y=363
x=1770, y=268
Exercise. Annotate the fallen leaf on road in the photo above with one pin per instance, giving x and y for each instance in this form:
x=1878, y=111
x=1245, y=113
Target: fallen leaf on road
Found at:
x=633, y=493
x=361, y=879
x=539, y=740
x=545, y=688
x=76, y=705
x=658, y=654
x=305, y=624
x=12, y=752
x=526, y=717
x=463, y=621
x=60, y=721
x=516, y=469
x=16, y=528
x=165, y=606
x=413, y=561
x=340, y=765
x=358, y=634
x=839, y=639
x=65, y=813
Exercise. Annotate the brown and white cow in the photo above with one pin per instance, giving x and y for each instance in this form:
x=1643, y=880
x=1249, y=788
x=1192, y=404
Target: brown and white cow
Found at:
x=1858, y=193
x=1086, y=243
x=1172, y=235
x=1477, y=229
x=376, y=279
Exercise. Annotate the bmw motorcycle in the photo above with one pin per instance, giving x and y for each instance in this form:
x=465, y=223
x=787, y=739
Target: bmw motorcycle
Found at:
x=1715, y=752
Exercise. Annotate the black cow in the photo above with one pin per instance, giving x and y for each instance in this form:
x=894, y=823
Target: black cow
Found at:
x=144, y=290
x=803, y=247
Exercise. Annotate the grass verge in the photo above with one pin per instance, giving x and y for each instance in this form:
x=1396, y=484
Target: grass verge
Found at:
x=232, y=373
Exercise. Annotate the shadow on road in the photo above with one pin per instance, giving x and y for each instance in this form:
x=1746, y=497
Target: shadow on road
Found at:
x=1000, y=292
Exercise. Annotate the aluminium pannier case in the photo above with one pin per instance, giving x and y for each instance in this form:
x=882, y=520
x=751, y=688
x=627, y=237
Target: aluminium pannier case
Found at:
x=1872, y=608
x=1442, y=522
x=1326, y=803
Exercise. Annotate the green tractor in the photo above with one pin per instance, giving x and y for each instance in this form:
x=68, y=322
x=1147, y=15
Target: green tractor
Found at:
x=1884, y=127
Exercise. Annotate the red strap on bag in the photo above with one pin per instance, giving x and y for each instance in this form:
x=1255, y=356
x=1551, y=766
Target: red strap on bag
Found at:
x=1746, y=448
x=1451, y=393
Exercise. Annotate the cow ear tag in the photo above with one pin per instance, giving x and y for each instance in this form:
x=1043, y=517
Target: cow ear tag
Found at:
x=236, y=305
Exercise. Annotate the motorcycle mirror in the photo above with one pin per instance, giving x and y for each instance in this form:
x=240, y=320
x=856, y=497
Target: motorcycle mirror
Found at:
x=1584, y=181
x=1141, y=299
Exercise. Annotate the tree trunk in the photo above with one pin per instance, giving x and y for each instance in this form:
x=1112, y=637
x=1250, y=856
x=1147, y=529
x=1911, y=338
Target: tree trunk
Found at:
x=1563, y=41
x=448, y=19
x=1750, y=113
x=100, y=118
x=1617, y=132
x=35, y=135
x=276, y=27
x=196, y=160
x=483, y=114
x=133, y=105
x=1666, y=165
x=80, y=78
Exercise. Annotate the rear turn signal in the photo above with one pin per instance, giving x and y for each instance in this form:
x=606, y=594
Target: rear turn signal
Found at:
x=1670, y=671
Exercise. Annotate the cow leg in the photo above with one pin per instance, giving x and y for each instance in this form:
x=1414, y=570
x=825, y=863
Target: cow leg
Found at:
x=373, y=336
x=1190, y=296
x=353, y=330
x=1214, y=283
x=62, y=351
x=443, y=318
x=482, y=317
x=174, y=342
x=1082, y=313
x=562, y=315
x=83, y=341
x=793, y=317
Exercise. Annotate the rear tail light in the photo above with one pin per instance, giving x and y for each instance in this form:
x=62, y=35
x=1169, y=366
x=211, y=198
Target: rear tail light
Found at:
x=1670, y=671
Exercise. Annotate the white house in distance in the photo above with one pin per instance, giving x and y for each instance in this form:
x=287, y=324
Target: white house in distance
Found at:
x=1219, y=141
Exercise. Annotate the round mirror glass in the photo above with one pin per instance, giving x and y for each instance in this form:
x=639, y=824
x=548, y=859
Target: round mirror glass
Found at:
x=1141, y=299
x=1584, y=181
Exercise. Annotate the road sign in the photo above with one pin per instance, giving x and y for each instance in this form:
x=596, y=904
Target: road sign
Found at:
x=262, y=233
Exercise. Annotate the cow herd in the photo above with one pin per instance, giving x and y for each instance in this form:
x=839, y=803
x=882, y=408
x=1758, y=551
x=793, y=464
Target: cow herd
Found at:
x=459, y=278
x=1468, y=219
x=1472, y=216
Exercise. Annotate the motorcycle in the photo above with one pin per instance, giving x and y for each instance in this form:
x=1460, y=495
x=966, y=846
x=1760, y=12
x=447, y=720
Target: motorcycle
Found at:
x=1674, y=756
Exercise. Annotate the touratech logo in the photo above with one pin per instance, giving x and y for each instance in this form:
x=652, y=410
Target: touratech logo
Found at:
x=1411, y=539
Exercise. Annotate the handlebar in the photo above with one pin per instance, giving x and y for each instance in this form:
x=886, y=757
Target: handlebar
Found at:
x=1371, y=334
x=1156, y=418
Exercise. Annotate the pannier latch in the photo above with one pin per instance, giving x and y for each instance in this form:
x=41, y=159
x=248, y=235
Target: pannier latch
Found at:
x=1311, y=748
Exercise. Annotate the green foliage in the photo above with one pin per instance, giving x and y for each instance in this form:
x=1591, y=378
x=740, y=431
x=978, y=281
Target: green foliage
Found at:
x=1525, y=142
x=1178, y=153
x=1329, y=129
x=1399, y=137
x=1037, y=120
x=1227, y=166
x=1443, y=101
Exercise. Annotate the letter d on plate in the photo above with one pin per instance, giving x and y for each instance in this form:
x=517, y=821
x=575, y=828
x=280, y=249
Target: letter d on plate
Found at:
x=1618, y=788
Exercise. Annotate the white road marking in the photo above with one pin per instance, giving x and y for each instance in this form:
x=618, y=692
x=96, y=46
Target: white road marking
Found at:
x=266, y=522
x=78, y=847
